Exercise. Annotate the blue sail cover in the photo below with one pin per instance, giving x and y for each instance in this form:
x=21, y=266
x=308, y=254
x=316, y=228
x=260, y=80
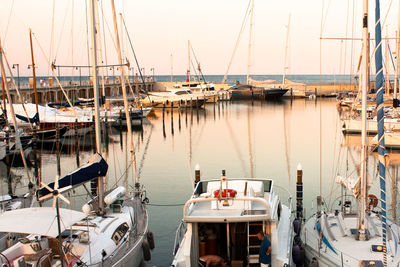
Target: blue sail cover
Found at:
x=30, y=120
x=381, y=117
x=96, y=167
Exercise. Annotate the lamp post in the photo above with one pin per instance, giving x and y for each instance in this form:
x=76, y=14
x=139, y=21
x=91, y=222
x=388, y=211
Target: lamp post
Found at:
x=13, y=66
x=117, y=70
x=80, y=75
x=152, y=69
x=29, y=67
x=144, y=75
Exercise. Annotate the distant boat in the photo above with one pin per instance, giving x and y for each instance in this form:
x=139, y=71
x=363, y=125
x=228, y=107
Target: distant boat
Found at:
x=175, y=98
x=248, y=91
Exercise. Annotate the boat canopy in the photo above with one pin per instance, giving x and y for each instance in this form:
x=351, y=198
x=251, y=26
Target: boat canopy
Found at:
x=96, y=167
x=38, y=221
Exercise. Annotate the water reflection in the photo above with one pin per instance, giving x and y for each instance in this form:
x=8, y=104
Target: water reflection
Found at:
x=247, y=138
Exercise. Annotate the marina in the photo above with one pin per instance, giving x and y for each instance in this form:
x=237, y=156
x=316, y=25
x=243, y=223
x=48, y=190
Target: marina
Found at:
x=242, y=151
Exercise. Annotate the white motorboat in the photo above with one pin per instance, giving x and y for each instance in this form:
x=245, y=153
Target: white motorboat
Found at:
x=223, y=217
x=176, y=97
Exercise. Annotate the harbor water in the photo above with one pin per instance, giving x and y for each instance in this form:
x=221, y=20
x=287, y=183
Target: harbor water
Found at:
x=246, y=138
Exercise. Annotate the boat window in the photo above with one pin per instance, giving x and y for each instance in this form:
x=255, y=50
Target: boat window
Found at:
x=120, y=233
x=181, y=93
x=267, y=186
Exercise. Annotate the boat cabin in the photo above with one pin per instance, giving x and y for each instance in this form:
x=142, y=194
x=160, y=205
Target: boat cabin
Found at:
x=223, y=218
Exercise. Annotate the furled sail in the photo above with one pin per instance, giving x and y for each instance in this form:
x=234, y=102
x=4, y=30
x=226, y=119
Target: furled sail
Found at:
x=96, y=167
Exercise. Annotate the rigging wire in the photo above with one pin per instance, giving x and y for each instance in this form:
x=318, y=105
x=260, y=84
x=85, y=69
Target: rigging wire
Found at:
x=8, y=21
x=62, y=31
x=245, y=18
x=55, y=76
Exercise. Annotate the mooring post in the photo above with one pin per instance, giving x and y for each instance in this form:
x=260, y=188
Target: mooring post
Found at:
x=299, y=193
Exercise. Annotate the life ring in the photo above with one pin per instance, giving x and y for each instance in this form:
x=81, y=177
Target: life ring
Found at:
x=373, y=201
x=226, y=193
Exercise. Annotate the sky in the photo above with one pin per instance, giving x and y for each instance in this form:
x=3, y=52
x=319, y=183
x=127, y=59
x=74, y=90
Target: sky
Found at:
x=161, y=28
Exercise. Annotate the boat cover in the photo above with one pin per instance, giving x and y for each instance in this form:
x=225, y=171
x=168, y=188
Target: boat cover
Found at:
x=96, y=167
x=38, y=221
x=30, y=120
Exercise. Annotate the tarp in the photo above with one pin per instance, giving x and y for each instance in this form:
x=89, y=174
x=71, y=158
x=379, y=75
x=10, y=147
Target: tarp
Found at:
x=96, y=167
x=38, y=221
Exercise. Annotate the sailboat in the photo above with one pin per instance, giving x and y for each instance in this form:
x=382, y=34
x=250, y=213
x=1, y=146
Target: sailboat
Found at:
x=248, y=90
x=112, y=230
x=359, y=236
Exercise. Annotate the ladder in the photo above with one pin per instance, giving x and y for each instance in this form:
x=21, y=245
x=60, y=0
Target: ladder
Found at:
x=253, y=244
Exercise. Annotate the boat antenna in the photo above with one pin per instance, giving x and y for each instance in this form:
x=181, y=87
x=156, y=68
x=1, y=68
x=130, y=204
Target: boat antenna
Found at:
x=381, y=120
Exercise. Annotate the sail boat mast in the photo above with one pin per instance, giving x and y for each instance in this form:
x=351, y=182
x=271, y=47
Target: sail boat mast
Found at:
x=286, y=48
x=188, y=70
x=126, y=105
x=362, y=224
x=250, y=39
x=34, y=73
x=96, y=98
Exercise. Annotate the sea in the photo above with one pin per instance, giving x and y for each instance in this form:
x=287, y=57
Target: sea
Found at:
x=245, y=138
x=313, y=78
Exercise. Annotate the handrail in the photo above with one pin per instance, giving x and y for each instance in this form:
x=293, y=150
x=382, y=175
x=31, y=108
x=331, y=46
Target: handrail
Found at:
x=178, y=237
x=255, y=199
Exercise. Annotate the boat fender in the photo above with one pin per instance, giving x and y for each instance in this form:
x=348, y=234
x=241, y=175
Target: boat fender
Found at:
x=296, y=254
x=146, y=250
x=296, y=226
x=225, y=193
x=150, y=238
x=314, y=262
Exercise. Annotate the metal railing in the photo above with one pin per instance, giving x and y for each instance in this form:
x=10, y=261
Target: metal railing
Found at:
x=180, y=233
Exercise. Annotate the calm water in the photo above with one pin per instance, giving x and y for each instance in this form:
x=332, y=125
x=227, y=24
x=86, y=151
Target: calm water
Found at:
x=310, y=78
x=260, y=139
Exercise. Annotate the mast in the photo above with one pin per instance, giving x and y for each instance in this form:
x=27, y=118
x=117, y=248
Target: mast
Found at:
x=250, y=39
x=387, y=78
x=396, y=71
x=34, y=73
x=286, y=48
x=96, y=98
x=172, y=66
x=126, y=107
x=381, y=121
x=397, y=54
x=362, y=222
x=188, y=70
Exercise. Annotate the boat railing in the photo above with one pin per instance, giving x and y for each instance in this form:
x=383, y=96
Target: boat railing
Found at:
x=180, y=233
x=285, y=196
x=261, y=200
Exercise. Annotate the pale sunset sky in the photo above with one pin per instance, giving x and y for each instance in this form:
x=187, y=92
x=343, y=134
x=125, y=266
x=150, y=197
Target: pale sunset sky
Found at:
x=159, y=28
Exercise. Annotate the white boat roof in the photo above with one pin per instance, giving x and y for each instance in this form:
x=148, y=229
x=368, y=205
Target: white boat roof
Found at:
x=254, y=201
x=38, y=221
